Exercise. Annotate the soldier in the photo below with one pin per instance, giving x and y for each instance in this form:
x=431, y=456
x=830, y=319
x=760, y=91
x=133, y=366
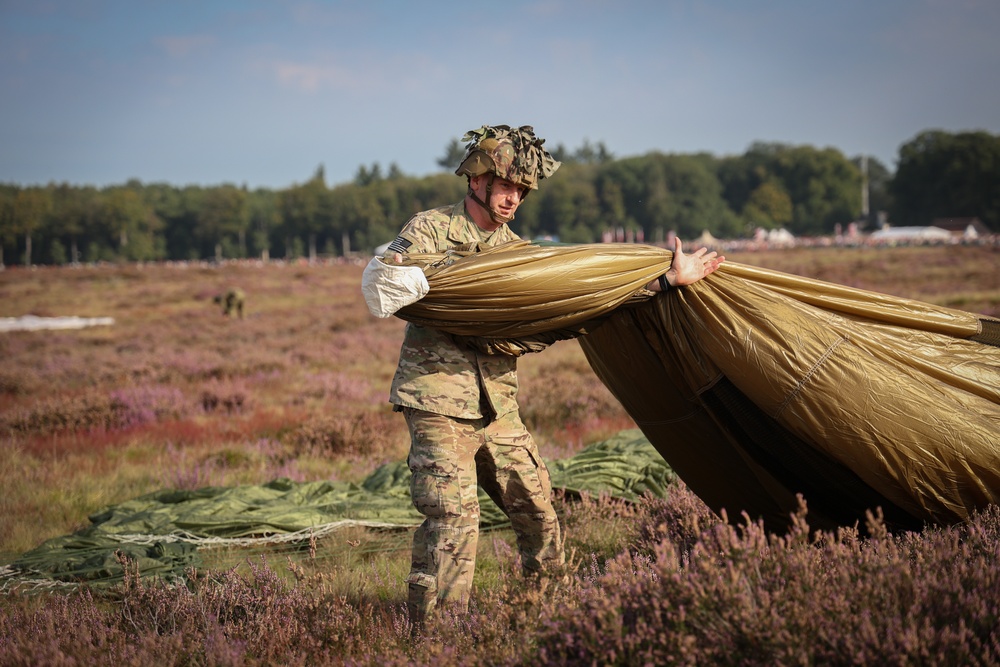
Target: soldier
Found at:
x=460, y=404
x=231, y=302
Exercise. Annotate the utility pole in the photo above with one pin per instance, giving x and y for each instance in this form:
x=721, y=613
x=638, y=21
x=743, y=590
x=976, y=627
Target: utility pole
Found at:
x=864, y=187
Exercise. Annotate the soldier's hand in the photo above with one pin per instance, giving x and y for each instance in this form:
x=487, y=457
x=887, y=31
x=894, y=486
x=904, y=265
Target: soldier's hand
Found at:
x=687, y=269
x=691, y=268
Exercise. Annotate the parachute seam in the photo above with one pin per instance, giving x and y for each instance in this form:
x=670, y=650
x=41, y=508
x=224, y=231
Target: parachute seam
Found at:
x=808, y=376
x=661, y=422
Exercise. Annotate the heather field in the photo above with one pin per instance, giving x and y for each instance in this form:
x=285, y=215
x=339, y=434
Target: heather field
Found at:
x=174, y=395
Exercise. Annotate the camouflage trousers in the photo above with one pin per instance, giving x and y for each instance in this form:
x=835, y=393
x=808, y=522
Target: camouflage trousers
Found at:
x=448, y=456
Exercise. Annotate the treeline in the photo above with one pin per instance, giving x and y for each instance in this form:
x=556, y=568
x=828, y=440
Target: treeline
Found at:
x=807, y=190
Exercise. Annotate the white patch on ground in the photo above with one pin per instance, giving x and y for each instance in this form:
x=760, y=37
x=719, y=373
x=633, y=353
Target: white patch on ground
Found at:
x=35, y=323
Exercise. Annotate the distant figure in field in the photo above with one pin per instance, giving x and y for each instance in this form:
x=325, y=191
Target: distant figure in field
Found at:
x=231, y=302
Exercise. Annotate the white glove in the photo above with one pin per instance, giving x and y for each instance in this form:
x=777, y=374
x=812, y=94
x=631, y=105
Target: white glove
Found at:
x=389, y=287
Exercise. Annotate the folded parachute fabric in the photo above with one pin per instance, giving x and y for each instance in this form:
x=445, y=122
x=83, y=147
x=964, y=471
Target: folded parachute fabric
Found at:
x=758, y=386
x=518, y=297
x=519, y=289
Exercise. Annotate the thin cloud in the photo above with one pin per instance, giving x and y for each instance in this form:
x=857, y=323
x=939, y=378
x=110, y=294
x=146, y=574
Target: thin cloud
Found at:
x=180, y=46
x=311, y=77
x=367, y=73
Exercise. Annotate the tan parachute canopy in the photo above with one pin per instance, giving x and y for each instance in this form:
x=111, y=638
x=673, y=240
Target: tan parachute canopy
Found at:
x=755, y=385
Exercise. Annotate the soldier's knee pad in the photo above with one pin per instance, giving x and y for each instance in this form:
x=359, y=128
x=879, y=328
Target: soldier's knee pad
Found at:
x=436, y=495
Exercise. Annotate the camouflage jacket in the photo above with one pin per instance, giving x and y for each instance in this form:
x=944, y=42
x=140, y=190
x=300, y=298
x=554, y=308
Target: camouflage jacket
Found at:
x=435, y=374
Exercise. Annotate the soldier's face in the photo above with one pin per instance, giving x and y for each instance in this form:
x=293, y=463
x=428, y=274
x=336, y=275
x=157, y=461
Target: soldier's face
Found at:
x=504, y=199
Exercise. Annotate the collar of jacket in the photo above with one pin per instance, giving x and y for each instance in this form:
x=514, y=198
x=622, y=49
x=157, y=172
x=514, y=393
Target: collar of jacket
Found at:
x=461, y=226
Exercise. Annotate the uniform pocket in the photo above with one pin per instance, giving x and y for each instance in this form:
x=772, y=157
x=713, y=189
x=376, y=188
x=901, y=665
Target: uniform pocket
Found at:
x=435, y=495
x=520, y=439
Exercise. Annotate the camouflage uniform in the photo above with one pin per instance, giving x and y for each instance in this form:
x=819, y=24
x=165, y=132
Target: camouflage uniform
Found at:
x=461, y=409
x=231, y=302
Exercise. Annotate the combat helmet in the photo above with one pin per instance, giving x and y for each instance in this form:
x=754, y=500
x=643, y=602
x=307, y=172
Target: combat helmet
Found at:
x=515, y=155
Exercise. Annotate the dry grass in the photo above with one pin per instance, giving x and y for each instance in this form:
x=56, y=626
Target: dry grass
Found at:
x=176, y=394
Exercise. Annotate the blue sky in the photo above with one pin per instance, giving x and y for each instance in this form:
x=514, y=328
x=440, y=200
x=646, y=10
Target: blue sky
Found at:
x=255, y=92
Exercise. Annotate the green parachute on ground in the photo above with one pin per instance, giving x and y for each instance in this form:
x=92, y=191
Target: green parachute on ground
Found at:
x=162, y=534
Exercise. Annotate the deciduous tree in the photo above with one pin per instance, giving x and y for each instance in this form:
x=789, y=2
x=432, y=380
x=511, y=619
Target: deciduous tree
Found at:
x=942, y=174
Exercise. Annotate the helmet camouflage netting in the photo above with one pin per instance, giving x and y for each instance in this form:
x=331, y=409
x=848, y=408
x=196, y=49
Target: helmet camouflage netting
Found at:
x=512, y=154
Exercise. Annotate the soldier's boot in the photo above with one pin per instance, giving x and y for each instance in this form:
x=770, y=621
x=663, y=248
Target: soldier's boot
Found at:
x=421, y=598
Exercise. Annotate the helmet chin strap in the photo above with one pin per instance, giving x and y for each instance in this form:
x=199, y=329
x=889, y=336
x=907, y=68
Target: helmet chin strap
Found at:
x=494, y=216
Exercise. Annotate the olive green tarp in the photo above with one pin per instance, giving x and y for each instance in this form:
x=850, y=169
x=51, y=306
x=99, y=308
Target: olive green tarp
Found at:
x=164, y=533
x=756, y=386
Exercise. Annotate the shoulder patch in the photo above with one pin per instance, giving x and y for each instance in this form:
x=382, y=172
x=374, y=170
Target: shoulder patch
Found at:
x=399, y=245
